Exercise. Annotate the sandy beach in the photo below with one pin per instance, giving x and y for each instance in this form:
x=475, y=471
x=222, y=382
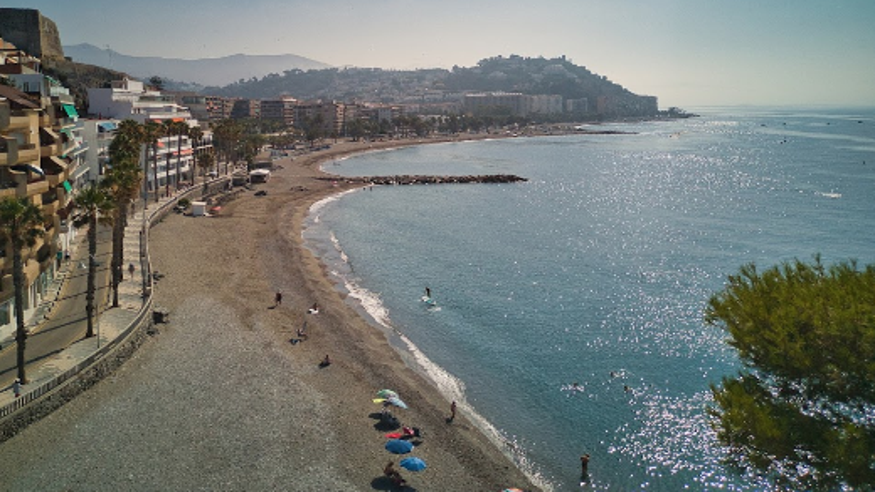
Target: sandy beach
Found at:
x=220, y=399
x=252, y=249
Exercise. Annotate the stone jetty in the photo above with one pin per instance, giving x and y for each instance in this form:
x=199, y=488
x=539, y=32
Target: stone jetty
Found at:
x=406, y=179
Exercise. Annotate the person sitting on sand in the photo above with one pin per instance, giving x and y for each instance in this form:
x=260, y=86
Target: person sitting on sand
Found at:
x=325, y=362
x=390, y=471
x=408, y=432
x=314, y=309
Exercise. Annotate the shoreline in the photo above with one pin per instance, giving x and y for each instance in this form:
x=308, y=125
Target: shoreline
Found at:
x=415, y=360
x=269, y=252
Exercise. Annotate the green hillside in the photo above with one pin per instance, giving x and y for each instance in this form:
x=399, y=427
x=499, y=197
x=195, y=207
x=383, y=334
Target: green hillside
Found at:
x=532, y=76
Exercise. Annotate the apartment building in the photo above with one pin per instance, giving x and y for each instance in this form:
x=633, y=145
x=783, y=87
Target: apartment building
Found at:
x=219, y=108
x=282, y=109
x=37, y=159
x=513, y=103
x=246, y=108
x=172, y=162
x=329, y=114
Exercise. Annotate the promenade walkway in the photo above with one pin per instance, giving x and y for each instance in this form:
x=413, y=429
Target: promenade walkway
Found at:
x=66, y=298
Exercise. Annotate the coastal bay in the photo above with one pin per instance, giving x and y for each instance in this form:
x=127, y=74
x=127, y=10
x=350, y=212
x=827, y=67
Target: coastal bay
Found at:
x=221, y=399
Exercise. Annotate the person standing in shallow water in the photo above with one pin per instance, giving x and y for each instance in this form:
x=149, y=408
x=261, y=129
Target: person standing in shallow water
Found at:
x=584, y=468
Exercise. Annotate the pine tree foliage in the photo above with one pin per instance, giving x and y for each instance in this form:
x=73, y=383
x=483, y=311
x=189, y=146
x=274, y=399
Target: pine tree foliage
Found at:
x=802, y=411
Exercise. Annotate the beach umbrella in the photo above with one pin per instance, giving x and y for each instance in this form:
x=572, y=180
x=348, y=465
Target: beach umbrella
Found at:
x=398, y=446
x=397, y=402
x=387, y=393
x=413, y=464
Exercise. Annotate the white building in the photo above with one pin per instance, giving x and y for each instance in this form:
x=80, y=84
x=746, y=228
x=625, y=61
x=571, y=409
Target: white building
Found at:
x=172, y=164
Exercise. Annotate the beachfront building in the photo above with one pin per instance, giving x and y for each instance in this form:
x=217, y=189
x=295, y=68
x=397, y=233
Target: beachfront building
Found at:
x=98, y=134
x=512, y=103
x=172, y=164
x=577, y=106
x=218, y=107
x=282, y=109
x=246, y=108
x=544, y=104
x=329, y=115
x=37, y=149
x=196, y=104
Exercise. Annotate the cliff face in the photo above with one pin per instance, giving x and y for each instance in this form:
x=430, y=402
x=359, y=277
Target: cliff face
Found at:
x=31, y=32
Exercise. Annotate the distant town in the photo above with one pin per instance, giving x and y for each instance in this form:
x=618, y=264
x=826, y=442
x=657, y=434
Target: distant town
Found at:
x=58, y=119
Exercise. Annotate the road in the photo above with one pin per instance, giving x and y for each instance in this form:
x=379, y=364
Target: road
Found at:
x=67, y=323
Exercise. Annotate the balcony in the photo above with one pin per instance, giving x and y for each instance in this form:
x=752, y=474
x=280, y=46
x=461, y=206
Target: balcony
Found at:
x=17, y=119
x=8, y=151
x=51, y=208
x=55, y=170
x=28, y=153
x=37, y=187
x=51, y=143
x=5, y=114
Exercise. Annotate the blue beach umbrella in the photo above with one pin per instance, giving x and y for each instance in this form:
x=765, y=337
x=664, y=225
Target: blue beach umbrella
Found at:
x=398, y=446
x=394, y=400
x=413, y=464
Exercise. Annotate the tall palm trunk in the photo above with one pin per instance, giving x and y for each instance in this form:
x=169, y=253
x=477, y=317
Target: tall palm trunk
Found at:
x=20, y=332
x=167, y=174
x=92, y=273
x=118, y=242
x=178, y=155
x=194, y=151
x=155, y=166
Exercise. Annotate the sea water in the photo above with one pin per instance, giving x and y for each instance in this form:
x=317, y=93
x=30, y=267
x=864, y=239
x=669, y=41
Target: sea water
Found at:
x=569, y=308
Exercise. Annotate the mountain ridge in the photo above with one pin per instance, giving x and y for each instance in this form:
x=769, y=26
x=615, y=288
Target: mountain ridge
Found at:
x=218, y=71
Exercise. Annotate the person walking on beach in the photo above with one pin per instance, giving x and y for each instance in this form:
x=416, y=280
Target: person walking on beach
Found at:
x=278, y=299
x=131, y=269
x=452, y=411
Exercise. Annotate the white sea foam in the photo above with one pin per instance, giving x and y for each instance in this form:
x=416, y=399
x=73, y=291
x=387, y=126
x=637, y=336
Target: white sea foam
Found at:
x=318, y=206
x=830, y=194
x=449, y=386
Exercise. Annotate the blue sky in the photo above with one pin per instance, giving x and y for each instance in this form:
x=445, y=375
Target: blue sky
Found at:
x=687, y=52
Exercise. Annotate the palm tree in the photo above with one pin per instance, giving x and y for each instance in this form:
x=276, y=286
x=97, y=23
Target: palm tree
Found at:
x=227, y=132
x=21, y=223
x=122, y=183
x=207, y=161
x=121, y=186
x=180, y=129
x=95, y=207
x=152, y=133
x=168, y=127
x=195, y=134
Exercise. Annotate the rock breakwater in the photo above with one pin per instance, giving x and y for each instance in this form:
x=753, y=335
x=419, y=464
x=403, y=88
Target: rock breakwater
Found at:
x=405, y=179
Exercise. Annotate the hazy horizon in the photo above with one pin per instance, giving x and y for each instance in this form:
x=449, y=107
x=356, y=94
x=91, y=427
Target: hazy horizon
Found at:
x=688, y=53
